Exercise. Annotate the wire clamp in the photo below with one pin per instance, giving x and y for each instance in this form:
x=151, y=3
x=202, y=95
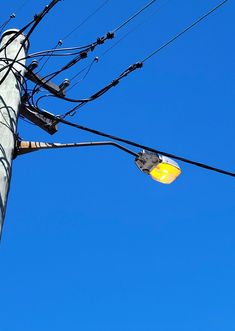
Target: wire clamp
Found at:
x=110, y=35
x=100, y=41
x=83, y=55
x=115, y=82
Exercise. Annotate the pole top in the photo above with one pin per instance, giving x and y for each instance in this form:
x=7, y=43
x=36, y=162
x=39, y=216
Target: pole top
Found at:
x=14, y=31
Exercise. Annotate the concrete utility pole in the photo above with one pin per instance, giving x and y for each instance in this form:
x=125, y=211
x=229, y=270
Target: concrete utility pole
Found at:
x=10, y=99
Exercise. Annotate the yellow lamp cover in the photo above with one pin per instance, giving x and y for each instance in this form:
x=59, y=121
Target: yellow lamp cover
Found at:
x=165, y=172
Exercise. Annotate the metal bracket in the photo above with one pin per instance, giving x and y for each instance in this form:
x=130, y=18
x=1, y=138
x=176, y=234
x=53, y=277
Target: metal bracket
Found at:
x=44, y=120
x=23, y=147
x=48, y=85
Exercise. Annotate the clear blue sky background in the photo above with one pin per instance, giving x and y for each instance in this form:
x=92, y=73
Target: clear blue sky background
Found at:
x=91, y=243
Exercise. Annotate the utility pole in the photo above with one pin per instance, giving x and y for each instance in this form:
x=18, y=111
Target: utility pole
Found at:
x=10, y=100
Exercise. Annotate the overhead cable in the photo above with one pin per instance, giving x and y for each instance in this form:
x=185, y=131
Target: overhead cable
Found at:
x=132, y=143
x=134, y=15
x=109, y=35
x=37, y=20
x=139, y=64
x=86, y=19
x=2, y=27
x=185, y=30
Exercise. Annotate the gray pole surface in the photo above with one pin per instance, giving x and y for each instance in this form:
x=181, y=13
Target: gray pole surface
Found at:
x=10, y=99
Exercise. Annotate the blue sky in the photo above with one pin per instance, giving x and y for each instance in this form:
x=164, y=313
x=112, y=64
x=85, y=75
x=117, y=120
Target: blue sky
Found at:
x=91, y=243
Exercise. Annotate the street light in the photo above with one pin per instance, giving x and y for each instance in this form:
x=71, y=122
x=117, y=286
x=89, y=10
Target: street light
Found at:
x=159, y=167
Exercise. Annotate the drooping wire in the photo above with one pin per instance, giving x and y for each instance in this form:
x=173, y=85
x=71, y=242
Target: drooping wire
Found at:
x=82, y=102
x=87, y=69
x=72, y=51
x=134, y=144
x=50, y=54
x=102, y=91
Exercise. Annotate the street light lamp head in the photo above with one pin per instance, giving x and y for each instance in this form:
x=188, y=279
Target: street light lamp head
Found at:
x=159, y=167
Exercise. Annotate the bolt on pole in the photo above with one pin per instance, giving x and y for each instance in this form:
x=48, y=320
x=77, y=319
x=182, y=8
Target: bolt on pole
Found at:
x=10, y=100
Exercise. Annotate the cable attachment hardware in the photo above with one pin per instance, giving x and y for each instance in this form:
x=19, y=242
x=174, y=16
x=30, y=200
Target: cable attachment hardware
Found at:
x=115, y=82
x=83, y=55
x=65, y=84
x=100, y=40
x=33, y=65
x=136, y=65
x=139, y=64
x=110, y=35
x=13, y=15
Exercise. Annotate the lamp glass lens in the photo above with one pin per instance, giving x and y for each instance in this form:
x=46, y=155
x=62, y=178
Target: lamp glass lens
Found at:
x=165, y=173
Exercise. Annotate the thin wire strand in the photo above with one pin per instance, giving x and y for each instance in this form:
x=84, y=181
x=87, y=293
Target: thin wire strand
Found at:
x=100, y=41
x=133, y=29
x=86, y=19
x=13, y=15
x=2, y=27
x=47, y=57
x=133, y=16
x=88, y=69
x=82, y=102
x=184, y=31
x=139, y=64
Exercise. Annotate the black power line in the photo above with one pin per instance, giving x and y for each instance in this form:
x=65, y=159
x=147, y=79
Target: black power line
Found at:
x=134, y=144
x=90, y=48
x=125, y=73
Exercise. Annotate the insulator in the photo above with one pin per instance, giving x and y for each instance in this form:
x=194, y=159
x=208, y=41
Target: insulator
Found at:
x=64, y=84
x=33, y=65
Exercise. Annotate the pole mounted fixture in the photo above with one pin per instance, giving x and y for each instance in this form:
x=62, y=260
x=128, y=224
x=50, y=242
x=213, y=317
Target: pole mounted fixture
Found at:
x=24, y=147
x=13, y=71
x=159, y=167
